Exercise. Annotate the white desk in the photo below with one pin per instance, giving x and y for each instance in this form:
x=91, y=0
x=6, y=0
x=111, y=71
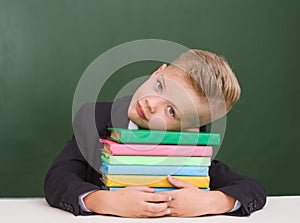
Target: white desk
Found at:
x=285, y=209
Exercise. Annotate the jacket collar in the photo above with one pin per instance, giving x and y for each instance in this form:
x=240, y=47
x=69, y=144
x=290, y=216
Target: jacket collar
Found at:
x=119, y=113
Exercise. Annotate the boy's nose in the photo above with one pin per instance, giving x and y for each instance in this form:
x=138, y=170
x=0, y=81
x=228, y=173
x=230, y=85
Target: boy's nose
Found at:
x=153, y=103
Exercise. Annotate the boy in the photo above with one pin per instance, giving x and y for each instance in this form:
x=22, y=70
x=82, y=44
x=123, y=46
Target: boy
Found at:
x=196, y=89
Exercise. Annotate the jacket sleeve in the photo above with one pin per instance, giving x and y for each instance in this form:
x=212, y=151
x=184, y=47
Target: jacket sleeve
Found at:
x=70, y=175
x=248, y=191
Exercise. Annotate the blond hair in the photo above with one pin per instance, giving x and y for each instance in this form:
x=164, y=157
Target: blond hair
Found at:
x=210, y=75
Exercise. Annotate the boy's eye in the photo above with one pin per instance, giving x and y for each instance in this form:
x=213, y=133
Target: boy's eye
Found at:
x=171, y=111
x=159, y=85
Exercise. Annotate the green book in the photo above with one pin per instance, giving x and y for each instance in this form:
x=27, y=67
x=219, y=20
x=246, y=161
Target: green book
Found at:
x=164, y=137
x=156, y=160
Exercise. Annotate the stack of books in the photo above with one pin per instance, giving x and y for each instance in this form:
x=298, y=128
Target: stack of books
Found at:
x=147, y=157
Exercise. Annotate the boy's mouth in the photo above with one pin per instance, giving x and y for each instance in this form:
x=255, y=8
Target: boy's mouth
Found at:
x=140, y=110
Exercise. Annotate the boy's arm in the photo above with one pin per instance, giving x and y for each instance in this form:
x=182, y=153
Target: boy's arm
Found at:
x=70, y=175
x=189, y=201
x=227, y=187
x=247, y=191
x=64, y=182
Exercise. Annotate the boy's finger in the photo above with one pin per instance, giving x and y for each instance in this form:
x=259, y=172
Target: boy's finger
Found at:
x=159, y=214
x=142, y=188
x=156, y=197
x=165, y=192
x=155, y=207
x=178, y=183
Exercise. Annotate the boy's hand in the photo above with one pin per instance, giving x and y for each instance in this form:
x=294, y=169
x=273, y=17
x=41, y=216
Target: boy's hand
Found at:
x=190, y=201
x=133, y=201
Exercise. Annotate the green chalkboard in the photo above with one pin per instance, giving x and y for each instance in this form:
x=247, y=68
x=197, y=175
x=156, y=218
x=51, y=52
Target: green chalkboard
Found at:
x=46, y=45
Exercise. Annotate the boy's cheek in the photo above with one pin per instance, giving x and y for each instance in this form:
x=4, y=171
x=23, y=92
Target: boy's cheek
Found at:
x=134, y=117
x=158, y=123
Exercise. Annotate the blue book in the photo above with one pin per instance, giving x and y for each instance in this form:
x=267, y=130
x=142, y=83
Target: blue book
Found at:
x=154, y=170
x=157, y=189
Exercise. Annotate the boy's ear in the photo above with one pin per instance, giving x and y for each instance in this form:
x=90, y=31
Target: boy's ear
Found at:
x=161, y=68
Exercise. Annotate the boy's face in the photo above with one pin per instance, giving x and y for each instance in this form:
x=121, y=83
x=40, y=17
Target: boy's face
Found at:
x=166, y=102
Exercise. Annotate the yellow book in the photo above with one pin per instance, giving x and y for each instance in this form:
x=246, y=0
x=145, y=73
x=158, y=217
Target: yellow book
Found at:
x=115, y=180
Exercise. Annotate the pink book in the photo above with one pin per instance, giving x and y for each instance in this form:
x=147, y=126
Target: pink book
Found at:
x=115, y=148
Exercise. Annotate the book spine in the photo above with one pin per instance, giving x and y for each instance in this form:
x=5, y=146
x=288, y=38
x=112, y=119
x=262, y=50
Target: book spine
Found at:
x=153, y=137
x=204, y=140
x=157, y=150
x=156, y=189
x=157, y=160
x=151, y=181
x=154, y=170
